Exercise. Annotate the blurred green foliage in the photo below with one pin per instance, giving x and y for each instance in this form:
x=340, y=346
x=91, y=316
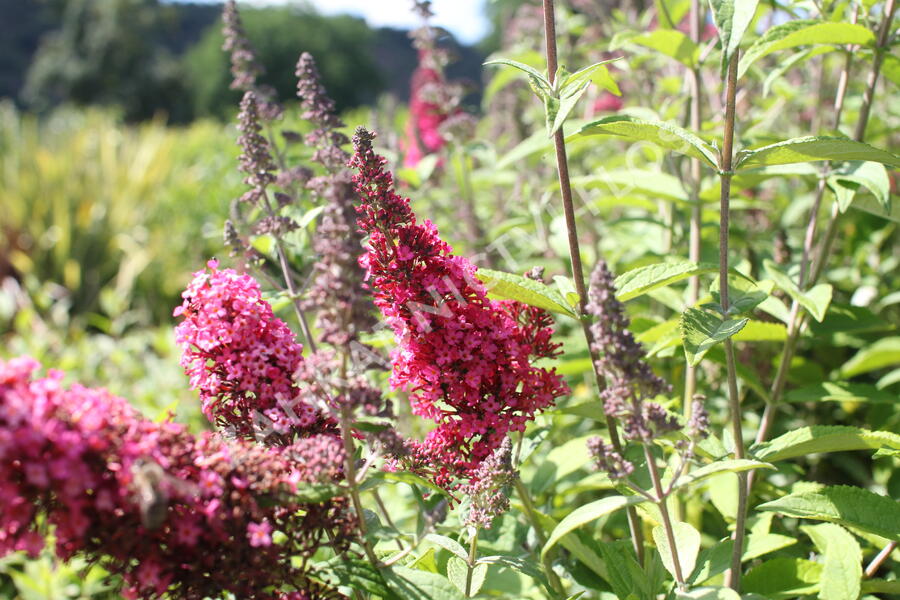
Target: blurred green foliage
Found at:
x=97, y=208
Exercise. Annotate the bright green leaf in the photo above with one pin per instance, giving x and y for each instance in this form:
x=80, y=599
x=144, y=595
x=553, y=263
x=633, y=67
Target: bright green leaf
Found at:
x=448, y=544
x=842, y=567
x=783, y=578
x=413, y=584
x=708, y=593
x=721, y=466
x=654, y=184
x=672, y=43
x=458, y=574
x=804, y=33
x=813, y=148
x=523, y=289
x=815, y=300
x=665, y=135
x=732, y=17
x=701, y=330
x=845, y=505
x=883, y=353
x=816, y=439
x=837, y=391
x=586, y=514
x=760, y=544
x=761, y=331
x=641, y=280
x=687, y=546
x=871, y=175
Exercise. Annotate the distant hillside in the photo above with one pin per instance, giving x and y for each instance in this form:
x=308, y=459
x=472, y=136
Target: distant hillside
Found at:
x=23, y=24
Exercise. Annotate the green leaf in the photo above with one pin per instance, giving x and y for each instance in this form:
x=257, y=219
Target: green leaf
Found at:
x=641, y=280
x=586, y=514
x=732, y=17
x=760, y=544
x=672, y=43
x=701, y=330
x=720, y=466
x=815, y=300
x=522, y=565
x=315, y=493
x=849, y=506
x=687, y=545
x=812, y=148
x=761, y=331
x=816, y=439
x=458, y=573
x=532, y=73
x=871, y=175
x=354, y=574
x=880, y=586
x=883, y=353
x=783, y=578
x=712, y=561
x=708, y=593
x=804, y=32
x=837, y=391
x=654, y=184
x=743, y=294
x=413, y=584
x=528, y=291
x=665, y=135
x=597, y=74
x=408, y=478
x=448, y=544
x=567, y=289
x=842, y=567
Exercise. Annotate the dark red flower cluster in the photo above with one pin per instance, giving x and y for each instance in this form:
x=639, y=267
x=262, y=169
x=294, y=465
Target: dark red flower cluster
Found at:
x=243, y=359
x=191, y=516
x=465, y=359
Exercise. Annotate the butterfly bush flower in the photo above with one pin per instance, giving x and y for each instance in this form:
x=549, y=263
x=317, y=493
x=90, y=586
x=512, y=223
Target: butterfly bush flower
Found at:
x=188, y=516
x=243, y=359
x=466, y=360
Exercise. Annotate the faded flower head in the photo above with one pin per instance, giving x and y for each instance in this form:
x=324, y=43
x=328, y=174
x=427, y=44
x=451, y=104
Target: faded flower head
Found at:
x=630, y=382
x=255, y=159
x=607, y=459
x=243, y=359
x=466, y=360
x=486, y=491
x=172, y=513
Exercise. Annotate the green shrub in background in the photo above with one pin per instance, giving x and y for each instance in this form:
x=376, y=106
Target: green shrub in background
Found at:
x=97, y=208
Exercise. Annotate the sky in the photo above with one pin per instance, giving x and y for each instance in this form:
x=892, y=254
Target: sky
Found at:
x=464, y=18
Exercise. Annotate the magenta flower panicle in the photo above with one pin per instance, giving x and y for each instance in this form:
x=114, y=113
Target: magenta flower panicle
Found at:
x=190, y=516
x=243, y=359
x=466, y=360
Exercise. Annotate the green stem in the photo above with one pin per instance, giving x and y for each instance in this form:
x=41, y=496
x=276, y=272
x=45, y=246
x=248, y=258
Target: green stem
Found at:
x=470, y=564
x=532, y=514
x=725, y=171
x=664, y=511
x=690, y=372
x=562, y=165
x=350, y=467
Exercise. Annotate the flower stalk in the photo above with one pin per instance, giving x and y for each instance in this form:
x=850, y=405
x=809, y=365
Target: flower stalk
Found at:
x=562, y=165
x=726, y=157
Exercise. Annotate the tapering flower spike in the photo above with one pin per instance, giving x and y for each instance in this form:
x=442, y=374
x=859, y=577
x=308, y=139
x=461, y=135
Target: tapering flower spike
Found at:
x=243, y=359
x=466, y=360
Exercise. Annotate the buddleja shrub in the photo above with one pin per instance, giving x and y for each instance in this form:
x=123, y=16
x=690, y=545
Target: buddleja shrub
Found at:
x=450, y=431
